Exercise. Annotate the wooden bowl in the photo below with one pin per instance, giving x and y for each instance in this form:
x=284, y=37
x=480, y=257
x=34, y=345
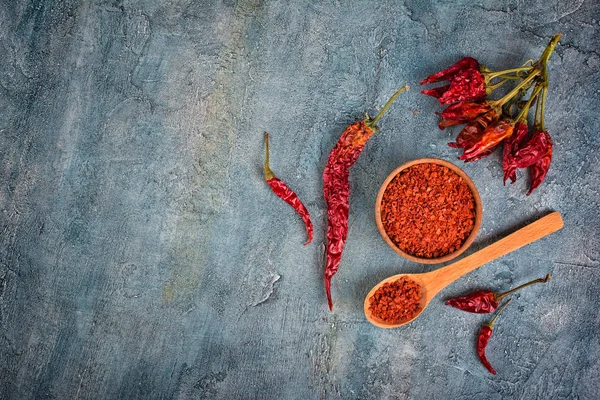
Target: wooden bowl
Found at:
x=460, y=173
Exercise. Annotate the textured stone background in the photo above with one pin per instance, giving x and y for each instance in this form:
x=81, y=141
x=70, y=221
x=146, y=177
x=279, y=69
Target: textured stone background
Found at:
x=142, y=256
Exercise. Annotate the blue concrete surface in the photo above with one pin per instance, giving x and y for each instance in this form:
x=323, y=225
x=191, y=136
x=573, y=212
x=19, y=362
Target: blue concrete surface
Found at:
x=143, y=257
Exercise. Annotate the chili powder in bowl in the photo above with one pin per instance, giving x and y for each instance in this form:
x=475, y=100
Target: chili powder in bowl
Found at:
x=428, y=210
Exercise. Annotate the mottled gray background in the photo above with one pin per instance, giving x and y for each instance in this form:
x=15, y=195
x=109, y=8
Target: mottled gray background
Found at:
x=142, y=256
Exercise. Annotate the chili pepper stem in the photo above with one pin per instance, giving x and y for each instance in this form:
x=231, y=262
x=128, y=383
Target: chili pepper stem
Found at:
x=491, y=88
x=542, y=64
x=549, y=49
x=372, y=123
x=543, y=107
x=491, y=75
x=267, y=171
x=511, y=77
x=512, y=93
x=540, y=280
x=525, y=110
x=491, y=323
x=538, y=109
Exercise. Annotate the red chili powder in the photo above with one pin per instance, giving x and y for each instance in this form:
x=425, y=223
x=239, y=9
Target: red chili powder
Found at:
x=428, y=210
x=396, y=301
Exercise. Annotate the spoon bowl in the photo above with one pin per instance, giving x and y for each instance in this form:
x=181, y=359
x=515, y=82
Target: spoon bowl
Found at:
x=433, y=282
x=423, y=301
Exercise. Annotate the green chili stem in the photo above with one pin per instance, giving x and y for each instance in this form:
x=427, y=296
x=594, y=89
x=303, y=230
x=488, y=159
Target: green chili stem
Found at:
x=491, y=88
x=540, y=280
x=512, y=77
x=491, y=323
x=542, y=63
x=489, y=76
x=512, y=93
x=525, y=110
x=530, y=62
x=549, y=49
x=372, y=123
x=267, y=171
x=537, y=121
x=543, y=107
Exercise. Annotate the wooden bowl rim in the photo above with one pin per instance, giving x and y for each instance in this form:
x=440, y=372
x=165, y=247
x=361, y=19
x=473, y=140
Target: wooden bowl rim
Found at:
x=459, y=172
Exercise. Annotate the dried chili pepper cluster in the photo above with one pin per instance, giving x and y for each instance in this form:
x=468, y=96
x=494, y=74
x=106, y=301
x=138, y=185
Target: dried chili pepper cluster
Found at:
x=485, y=302
x=428, y=210
x=490, y=122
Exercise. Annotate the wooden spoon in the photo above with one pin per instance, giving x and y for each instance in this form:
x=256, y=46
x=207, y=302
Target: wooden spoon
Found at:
x=433, y=282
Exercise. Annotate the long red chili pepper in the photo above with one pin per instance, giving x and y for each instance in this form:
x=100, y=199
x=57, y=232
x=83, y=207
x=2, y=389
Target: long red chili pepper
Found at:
x=336, y=187
x=285, y=193
x=486, y=301
x=484, y=337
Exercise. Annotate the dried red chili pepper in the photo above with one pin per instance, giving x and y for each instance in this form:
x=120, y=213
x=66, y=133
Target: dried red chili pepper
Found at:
x=512, y=159
x=484, y=337
x=534, y=150
x=466, y=82
x=540, y=168
x=286, y=194
x=447, y=74
x=336, y=187
x=511, y=145
x=462, y=112
x=491, y=137
x=473, y=131
x=486, y=301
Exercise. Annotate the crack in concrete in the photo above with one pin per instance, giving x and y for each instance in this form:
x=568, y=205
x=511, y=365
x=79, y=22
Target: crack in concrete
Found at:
x=481, y=7
x=570, y=264
x=570, y=12
x=267, y=289
x=409, y=14
x=577, y=49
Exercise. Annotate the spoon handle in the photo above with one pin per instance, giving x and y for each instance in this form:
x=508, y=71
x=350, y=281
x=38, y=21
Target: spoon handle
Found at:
x=544, y=226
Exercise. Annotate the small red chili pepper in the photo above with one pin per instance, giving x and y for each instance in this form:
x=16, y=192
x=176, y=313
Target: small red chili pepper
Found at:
x=447, y=74
x=336, y=187
x=472, y=132
x=466, y=82
x=534, y=150
x=540, y=168
x=511, y=146
x=484, y=337
x=461, y=112
x=286, y=194
x=486, y=301
x=491, y=137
